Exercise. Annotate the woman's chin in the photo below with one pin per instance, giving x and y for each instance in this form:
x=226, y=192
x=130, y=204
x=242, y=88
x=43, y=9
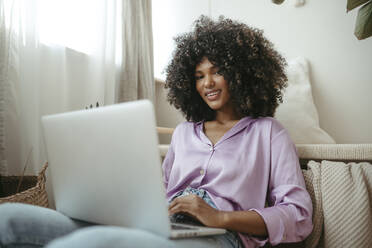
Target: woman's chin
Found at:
x=214, y=105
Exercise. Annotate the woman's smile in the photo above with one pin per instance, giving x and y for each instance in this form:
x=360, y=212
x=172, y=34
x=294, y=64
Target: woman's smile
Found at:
x=212, y=86
x=213, y=95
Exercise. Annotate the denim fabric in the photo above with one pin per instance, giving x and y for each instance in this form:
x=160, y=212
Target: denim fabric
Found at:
x=230, y=237
x=27, y=226
x=23, y=225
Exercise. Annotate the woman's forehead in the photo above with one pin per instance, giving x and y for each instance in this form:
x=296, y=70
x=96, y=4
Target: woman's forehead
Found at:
x=204, y=64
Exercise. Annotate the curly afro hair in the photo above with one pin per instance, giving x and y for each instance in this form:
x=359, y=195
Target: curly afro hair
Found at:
x=253, y=69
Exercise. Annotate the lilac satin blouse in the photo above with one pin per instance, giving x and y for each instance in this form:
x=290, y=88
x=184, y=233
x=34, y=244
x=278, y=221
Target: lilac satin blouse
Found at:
x=254, y=166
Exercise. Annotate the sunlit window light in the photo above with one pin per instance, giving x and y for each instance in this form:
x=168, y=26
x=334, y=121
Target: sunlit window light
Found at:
x=70, y=23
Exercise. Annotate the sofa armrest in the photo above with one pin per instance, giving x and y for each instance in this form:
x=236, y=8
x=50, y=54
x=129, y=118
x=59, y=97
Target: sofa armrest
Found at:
x=335, y=152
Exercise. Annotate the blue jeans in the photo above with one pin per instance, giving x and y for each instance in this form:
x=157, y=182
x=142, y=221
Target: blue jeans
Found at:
x=24, y=225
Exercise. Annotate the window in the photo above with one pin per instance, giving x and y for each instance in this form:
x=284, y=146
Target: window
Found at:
x=71, y=23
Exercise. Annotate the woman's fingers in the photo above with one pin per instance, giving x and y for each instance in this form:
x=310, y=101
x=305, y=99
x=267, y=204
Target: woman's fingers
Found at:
x=181, y=204
x=196, y=207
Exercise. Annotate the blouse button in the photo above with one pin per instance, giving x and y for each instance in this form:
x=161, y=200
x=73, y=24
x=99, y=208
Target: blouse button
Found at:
x=201, y=172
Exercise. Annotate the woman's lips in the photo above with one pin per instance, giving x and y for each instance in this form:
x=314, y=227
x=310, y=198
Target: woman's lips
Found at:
x=213, y=95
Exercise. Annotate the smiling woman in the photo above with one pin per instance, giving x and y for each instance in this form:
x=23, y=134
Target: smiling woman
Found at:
x=227, y=80
x=212, y=86
x=238, y=55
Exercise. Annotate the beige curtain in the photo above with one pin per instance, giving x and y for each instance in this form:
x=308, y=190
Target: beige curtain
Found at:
x=7, y=63
x=3, y=66
x=137, y=74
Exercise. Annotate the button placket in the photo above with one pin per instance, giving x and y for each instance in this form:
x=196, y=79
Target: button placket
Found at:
x=211, y=148
x=203, y=170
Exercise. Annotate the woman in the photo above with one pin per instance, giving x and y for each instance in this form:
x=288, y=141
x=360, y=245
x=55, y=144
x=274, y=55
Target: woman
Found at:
x=231, y=165
x=227, y=79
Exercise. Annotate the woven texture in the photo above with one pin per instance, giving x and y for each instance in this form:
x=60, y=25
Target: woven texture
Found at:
x=345, y=198
x=36, y=195
x=361, y=152
x=313, y=186
x=346, y=190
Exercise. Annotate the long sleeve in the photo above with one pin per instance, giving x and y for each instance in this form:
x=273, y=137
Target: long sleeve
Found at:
x=289, y=215
x=168, y=162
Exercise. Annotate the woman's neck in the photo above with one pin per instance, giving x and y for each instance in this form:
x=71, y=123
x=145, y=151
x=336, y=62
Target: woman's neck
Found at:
x=227, y=115
x=223, y=122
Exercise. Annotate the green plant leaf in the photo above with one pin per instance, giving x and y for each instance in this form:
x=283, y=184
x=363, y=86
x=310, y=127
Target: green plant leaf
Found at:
x=351, y=4
x=363, y=25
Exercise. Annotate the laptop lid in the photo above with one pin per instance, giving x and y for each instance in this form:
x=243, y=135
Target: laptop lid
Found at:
x=105, y=166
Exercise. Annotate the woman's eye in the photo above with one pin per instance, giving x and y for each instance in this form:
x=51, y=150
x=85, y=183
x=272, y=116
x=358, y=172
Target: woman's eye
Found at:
x=198, y=77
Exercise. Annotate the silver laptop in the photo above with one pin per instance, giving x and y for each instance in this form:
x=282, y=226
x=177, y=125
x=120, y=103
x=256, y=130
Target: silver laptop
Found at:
x=105, y=168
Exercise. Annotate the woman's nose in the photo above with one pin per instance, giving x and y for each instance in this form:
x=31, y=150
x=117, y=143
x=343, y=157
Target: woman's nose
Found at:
x=209, y=81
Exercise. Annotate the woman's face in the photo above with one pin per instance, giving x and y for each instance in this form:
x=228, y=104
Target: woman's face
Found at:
x=212, y=86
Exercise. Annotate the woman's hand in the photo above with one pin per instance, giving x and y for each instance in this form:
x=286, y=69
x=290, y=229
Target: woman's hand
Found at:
x=196, y=207
x=241, y=221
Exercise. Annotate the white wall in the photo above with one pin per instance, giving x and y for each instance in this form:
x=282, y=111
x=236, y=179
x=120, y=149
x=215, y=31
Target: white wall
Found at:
x=321, y=31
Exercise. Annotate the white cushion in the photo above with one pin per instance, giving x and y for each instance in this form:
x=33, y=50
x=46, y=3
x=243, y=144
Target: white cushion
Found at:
x=298, y=113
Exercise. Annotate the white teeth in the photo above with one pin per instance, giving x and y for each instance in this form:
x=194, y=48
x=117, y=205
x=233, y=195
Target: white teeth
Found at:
x=213, y=93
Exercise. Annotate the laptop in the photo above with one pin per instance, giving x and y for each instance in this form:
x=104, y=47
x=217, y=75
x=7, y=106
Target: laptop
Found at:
x=106, y=168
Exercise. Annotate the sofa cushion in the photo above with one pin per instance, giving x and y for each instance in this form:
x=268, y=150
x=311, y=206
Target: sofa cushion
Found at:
x=298, y=113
